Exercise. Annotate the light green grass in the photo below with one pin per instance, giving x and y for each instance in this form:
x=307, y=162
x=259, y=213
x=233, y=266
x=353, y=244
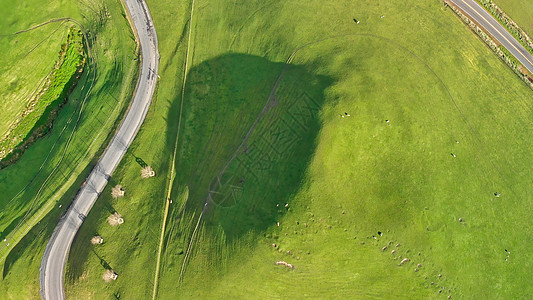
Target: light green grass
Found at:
x=344, y=179
x=27, y=60
x=39, y=187
x=520, y=11
x=51, y=95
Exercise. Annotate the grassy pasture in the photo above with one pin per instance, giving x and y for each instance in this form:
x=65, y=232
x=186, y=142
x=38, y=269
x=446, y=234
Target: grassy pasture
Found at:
x=37, y=189
x=408, y=190
x=344, y=179
x=33, y=122
x=32, y=53
x=520, y=11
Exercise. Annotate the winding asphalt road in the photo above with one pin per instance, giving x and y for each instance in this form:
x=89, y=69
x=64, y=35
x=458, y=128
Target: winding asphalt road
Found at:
x=494, y=28
x=56, y=253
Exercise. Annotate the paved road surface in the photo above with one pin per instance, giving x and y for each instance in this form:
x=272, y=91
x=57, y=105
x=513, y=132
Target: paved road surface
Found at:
x=56, y=253
x=491, y=25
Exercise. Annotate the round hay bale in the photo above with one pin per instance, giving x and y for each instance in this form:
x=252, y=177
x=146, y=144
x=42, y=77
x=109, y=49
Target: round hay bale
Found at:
x=117, y=191
x=97, y=240
x=147, y=172
x=109, y=275
x=115, y=219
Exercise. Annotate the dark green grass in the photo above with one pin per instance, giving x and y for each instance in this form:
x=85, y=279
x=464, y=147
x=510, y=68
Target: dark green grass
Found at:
x=20, y=276
x=344, y=179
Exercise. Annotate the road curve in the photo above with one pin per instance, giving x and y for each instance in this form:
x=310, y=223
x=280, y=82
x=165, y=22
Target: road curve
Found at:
x=56, y=253
x=491, y=25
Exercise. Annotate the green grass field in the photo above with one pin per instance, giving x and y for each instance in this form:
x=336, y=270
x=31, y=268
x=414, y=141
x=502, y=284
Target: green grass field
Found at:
x=263, y=143
x=38, y=188
x=37, y=51
x=519, y=11
x=33, y=121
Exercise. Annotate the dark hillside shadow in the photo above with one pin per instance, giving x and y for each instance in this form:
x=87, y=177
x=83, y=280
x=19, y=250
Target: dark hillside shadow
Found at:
x=248, y=133
x=10, y=227
x=32, y=244
x=45, y=122
x=81, y=246
x=37, y=237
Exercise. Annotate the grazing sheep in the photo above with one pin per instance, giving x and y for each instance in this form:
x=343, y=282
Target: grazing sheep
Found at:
x=404, y=261
x=283, y=263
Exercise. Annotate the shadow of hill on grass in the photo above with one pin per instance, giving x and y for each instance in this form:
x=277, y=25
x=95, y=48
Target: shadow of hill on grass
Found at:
x=248, y=134
x=253, y=189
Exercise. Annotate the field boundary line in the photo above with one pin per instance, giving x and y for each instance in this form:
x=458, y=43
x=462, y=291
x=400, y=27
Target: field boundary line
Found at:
x=189, y=247
x=172, y=165
x=38, y=25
